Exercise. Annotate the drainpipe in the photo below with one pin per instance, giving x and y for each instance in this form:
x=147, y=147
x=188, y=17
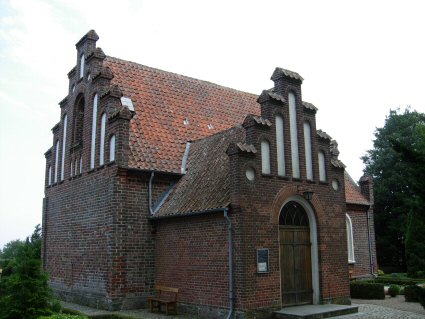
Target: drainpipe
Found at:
x=372, y=263
x=231, y=299
x=150, y=194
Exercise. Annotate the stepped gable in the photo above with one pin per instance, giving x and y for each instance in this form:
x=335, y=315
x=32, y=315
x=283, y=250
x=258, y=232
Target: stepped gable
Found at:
x=206, y=185
x=352, y=192
x=171, y=109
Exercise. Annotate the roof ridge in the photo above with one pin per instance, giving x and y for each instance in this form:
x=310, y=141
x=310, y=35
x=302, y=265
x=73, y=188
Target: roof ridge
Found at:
x=223, y=132
x=182, y=75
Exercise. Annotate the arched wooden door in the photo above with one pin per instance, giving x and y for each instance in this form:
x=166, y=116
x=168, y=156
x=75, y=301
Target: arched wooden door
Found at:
x=295, y=255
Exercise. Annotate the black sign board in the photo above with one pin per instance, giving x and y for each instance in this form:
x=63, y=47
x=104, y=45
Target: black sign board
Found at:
x=263, y=260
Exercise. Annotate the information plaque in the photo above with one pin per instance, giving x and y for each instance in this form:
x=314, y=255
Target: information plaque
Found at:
x=263, y=260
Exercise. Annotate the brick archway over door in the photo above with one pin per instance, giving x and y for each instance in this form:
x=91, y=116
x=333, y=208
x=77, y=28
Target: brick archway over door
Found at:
x=295, y=255
x=314, y=210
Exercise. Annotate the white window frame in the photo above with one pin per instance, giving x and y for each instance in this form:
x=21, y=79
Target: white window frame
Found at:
x=280, y=145
x=308, y=151
x=322, y=166
x=112, y=141
x=65, y=122
x=265, y=157
x=82, y=65
x=56, y=161
x=93, y=132
x=102, y=139
x=294, y=135
x=350, y=239
x=49, y=172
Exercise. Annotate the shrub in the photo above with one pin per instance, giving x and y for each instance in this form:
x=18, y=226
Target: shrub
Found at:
x=410, y=294
x=367, y=290
x=25, y=293
x=381, y=272
x=396, y=281
x=394, y=290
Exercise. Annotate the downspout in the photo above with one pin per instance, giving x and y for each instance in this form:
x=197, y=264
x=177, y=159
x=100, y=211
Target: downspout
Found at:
x=372, y=263
x=150, y=194
x=231, y=299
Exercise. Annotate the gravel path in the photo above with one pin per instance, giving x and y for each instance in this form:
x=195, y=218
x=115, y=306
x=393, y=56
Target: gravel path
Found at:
x=390, y=308
x=396, y=303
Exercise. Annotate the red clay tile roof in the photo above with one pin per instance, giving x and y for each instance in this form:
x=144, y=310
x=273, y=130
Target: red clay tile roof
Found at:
x=352, y=192
x=163, y=101
x=206, y=184
x=171, y=109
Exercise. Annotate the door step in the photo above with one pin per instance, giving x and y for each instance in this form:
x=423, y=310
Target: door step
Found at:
x=314, y=311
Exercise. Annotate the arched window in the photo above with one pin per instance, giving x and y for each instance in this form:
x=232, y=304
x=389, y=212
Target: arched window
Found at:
x=79, y=120
x=350, y=240
x=65, y=122
x=308, y=156
x=293, y=214
x=112, y=148
x=280, y=146
x=322, y=166
x=93, y=132
x=102, y=139
x=56, y=161
x=71, y=169
x=81, y=164
x=82, y=62
x=294, y=135
x=50, y=175
x=265, y=157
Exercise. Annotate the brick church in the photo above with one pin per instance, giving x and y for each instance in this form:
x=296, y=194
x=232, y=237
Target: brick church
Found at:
x=236, y=199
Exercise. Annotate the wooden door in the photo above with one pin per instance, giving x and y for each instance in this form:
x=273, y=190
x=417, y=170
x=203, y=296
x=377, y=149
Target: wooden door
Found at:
x=295, y=262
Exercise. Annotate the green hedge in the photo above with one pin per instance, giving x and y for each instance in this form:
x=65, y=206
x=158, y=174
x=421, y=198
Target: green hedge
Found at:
x=410, y=294
x=390, y=280
x=367, y=290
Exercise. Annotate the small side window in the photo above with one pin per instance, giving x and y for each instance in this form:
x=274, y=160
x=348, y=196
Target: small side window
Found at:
x=112, y=148
x=50, y=175
x=102, y=139
x=350, y=240
x=82, y=62
x=265, y=157
x=322, y=166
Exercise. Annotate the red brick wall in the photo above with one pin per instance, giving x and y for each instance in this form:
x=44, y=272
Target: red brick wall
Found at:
x=192, y=255
x=362, y=266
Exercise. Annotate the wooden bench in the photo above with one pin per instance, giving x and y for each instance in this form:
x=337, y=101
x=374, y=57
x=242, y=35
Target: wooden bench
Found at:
x=164, y=296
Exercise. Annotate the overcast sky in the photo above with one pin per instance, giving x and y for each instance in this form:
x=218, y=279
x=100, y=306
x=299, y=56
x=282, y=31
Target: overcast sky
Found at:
x=359, y=59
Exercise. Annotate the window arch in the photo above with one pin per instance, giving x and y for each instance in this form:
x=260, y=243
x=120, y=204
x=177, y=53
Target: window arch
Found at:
x=350, y=240
x=81, y=164
x=322, y=166
x=293, y=214
x=56, y=161
x=280, y=146
x=65, y=122
x=265, y=157
x=294, y=135
x=102, y=139
x=308, y=152
x=79, y=120
x=93, y=132
x=112, y=148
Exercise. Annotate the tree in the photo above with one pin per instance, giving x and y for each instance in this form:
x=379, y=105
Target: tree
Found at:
x=394, y=185
x=414, y=155
x=24, y=293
